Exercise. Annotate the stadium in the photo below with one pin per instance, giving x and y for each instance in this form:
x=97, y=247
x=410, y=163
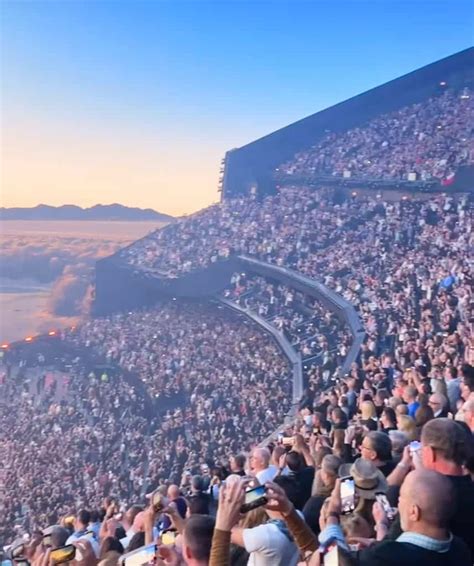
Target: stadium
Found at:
x=320, y=316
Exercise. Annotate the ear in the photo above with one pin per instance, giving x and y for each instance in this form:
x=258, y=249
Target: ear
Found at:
x=415, y=513
x=187, y=552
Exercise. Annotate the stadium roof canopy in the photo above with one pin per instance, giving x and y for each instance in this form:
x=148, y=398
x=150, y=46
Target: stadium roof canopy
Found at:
x=254, y=163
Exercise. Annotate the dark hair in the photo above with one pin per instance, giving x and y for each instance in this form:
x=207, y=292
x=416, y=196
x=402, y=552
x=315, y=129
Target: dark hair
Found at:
x=294, y=461
x=198, y=504
x=423, y=415
x=95, y=515
x=84, y=517
x=447, y=437
x=137, y=541
x=197, y=483
x=381, y=445
x=198, y=531
x=468, y=376
x=108, y=544
x=59, y=536
x=239, y=460
x=290, y=487
x=120, y=532
x=391, y=415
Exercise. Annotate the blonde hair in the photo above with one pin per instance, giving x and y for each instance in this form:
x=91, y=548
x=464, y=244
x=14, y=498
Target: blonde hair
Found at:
x=367, y=408
x=355, y=525
x=407, y=425
x=254, y=518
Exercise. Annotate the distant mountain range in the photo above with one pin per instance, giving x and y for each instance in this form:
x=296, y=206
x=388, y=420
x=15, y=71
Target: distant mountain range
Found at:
x=72, y=212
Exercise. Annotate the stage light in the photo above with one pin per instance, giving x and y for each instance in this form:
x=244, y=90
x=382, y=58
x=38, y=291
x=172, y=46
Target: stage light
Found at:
x=52, y=333
x=4, y=346
x=29, y=339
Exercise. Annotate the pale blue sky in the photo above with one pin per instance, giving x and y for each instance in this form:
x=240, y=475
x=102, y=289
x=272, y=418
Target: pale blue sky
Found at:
x=137, y=102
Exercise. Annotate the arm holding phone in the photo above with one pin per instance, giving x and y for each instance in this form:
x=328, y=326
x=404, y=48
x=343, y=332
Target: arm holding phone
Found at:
x=231, y=499
x=301, y=447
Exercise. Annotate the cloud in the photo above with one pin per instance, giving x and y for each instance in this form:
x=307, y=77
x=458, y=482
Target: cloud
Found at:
x=65, y=262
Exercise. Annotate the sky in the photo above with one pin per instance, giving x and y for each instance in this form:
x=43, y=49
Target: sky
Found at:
x=137, y=102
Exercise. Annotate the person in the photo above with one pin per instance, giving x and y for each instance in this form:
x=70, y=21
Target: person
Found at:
x=468, y=412
x=198, y=500
x=197, y=540
x=445, y=445
x=81, y=528
x=301, y=467
x=176, y=500
x=110, y=552
x=377, y=448
x=325, y=481
x=388, y=420
x=453, y=386
x=409, y=397
x=426, y=538
x=399, y=440
x=269, y=544
x=260, y=464
x=81, y=524
x=237, y=464
x=439, y=403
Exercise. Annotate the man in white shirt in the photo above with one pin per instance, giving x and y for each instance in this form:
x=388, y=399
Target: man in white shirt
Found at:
x=260, y=465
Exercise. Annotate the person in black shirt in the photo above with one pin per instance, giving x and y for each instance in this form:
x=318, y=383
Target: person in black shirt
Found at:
x=237, y=464
x=377, y=447
x=426, y=539
x=445, y=445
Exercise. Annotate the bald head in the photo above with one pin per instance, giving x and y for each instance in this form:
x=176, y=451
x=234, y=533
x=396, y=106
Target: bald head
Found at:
x=419, y=509
x=173, y=492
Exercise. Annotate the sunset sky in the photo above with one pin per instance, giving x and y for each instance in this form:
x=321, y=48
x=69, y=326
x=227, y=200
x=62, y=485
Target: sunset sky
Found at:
x=136, y=102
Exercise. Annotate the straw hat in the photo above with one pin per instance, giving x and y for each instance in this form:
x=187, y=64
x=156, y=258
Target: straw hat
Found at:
x=368, y=479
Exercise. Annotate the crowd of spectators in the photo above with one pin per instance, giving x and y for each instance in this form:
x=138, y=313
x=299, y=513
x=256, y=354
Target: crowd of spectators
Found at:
x=229, y=381
x=400, y=423
x=66, y=440
x=432, y=139
x=312, y=329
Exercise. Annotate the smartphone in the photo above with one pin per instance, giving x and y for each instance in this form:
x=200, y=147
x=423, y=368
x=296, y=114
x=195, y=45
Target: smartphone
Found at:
x=140, y=557
x=384, y=502
x=414, y=446
x=331, y=557
x=168, y=537
x=63, y=554
x=158, y=502
x=254, y=498
x=280, y=438
x=288, y=441
x=347, y=495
